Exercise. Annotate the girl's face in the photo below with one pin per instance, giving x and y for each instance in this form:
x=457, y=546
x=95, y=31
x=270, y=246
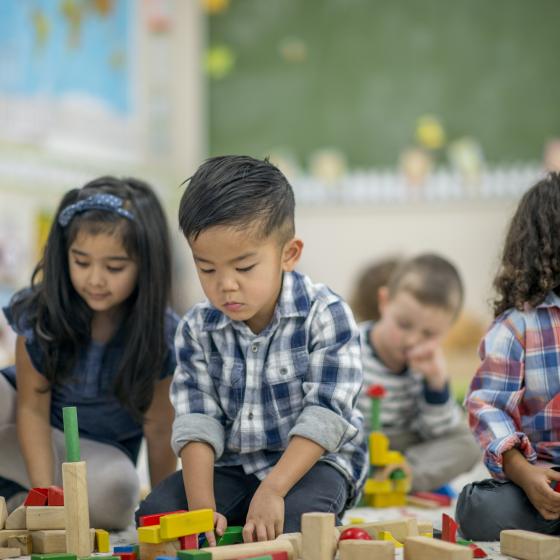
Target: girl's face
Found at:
x=101, y=271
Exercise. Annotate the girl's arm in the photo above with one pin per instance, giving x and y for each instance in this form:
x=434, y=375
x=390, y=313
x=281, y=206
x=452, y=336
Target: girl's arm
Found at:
x=33, y=419
x=157, y=429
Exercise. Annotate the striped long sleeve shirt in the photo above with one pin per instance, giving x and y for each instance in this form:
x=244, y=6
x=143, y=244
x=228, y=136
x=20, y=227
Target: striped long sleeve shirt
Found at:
x=409, y=405
x=514, y=398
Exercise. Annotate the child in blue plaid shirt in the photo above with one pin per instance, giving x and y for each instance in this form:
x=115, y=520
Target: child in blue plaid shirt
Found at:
x=268, y=367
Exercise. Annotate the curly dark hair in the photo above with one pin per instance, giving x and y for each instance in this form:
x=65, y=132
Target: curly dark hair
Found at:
x=530, y=264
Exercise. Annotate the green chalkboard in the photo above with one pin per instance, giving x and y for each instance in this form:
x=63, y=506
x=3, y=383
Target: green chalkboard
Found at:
x=487, y=68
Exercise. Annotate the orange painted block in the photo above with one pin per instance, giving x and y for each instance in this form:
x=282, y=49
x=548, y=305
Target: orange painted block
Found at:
x=178, y=525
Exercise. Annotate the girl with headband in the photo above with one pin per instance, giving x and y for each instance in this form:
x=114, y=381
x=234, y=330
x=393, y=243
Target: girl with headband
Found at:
x=94, y=331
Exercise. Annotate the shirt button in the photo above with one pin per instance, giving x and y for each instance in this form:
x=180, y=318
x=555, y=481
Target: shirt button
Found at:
x=255, y=348
x=250, y=415
x=283, y=371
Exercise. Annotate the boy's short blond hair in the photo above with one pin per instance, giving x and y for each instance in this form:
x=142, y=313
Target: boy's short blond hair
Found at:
x=430, y=279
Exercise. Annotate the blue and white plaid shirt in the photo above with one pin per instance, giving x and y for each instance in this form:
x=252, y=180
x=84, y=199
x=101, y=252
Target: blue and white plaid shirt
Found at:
x=247, y=394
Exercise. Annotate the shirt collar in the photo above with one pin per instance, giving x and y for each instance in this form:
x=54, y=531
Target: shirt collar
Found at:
x=293, y=302
x=551, y=300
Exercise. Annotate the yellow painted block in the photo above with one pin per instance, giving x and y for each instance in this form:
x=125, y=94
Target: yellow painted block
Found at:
x=395, y=458
x=150, y=534
x=427, y=535
x=402, y=485
x=356, y=520
x=373, y=486
x=177, y=525
x=386, y=500
x=388, y=536
x=102, y=538
x=378, y=447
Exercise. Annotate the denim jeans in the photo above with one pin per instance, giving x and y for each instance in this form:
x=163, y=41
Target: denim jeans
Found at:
x=322, y=489
x=487, y=507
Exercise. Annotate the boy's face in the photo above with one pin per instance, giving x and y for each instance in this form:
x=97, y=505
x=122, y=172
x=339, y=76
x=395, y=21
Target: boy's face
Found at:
x=405, y=324
x=241, y=274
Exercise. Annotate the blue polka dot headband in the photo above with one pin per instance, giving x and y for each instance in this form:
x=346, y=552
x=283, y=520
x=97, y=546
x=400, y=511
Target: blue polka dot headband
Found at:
x=108, y=202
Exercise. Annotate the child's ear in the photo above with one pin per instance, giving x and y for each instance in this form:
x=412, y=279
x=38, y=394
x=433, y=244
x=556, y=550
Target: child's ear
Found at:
x=291, y=254
x=382, y=298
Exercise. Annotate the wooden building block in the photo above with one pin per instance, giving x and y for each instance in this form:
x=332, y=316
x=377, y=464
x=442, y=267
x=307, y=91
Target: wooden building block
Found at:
x=528, y=545
x=366, y=550
x=177, y=525
x=7, y=533
x=424, y=526
x=193, y=555
x=423, y=548
x=153, y=519
x=399, y=528
x=388, y=536
x=3, y=512
x=150, y=534
x=415, y=501
x=55, y=496
x=190, y=542
x=448, y=528
x=36, y=497
x=23, y=542
x=9, y=553
x=317, y=536
x=296, y=540
x=149, y=551
x=74, y=480
x=45, y=517
x=102, y=543
x=233, y=551
x=16, y=519
x=59, y=556
x=54, y=540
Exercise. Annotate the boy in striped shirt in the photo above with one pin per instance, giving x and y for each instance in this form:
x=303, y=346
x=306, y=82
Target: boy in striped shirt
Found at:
x=402, y=352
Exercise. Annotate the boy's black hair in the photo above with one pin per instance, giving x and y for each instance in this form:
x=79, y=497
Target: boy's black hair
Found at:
x=431, y=279
x=61, y=319
x=241, y=192
x=530, y=263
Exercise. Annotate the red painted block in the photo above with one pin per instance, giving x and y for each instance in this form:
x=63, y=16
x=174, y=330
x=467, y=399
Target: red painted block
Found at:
x=354, y=533
x=36, y=497
x=448, y=528
x=55, y=496
x=125, y=555
x=441, y=499
x=147, y=520
x=477, y=551
x=188, y=542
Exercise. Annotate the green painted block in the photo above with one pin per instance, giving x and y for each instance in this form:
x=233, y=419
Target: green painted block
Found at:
x=266, y=557
x=54, y=556
x=232, y=535
x=194, y=555
x=71, y=435
x=98, y=557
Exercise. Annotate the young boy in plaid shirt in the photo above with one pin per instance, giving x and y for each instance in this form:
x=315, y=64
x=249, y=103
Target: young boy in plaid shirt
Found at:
x=268, y=367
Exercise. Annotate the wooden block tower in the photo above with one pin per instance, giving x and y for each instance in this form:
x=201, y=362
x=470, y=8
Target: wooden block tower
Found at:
x=74, y=482
x=392, y=490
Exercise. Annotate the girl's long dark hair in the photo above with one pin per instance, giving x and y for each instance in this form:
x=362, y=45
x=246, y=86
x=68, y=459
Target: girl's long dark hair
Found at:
x=530, y=264
x=60, y=318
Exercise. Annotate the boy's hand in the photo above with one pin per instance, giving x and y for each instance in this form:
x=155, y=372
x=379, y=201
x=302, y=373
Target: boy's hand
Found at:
x=220, y=525
x=536, y=484
x=428, y=359
x=265, y=519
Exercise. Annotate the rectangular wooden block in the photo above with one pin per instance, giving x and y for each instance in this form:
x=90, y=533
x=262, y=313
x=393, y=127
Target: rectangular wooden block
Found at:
x=232, y=551
x=23, y=542
x=153, y=519
x=102, y=543
x=58, y=556
x=3, y=512
x=45, y=517
x=177, y=525
x=527, y=545
x=399, y=528
x=74, y=481
x=9, y=553
x=424, y=548
x=318, y=536
x=297, y=542
x=54, y=540
x=7, y=533
x=366, y=550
